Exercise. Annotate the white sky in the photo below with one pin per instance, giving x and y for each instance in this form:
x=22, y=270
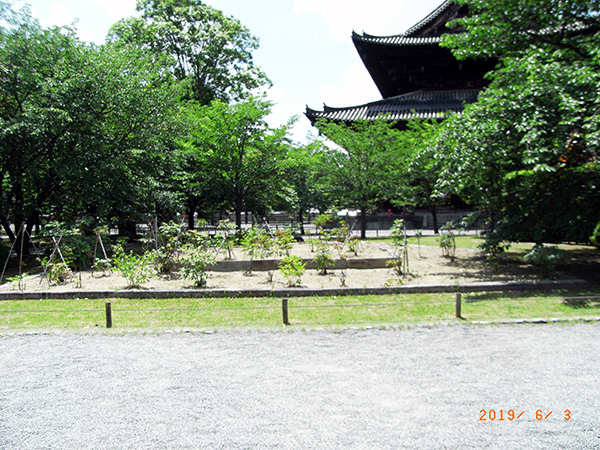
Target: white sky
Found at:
x=305, y=45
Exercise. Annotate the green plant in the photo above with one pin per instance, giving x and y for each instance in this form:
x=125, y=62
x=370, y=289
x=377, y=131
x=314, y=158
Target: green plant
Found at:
x=194, y=261
x=400, y=256
x=448, y=240
x=102, y=265
x=313, y=242
x=134, y=268
x=77, y=250
x=354, y=245
x=20, y=279
x=166, y=257
x=323, y=260
x=545, y=257
x=284, y=240
x=256, y=243
x=292, y=269
x=595, y=237
x=56, y=272
x=321, y=221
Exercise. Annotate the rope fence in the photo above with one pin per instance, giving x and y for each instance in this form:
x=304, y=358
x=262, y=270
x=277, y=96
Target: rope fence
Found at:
x=285, y=307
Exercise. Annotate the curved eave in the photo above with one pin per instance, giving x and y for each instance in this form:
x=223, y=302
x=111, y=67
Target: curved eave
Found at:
x=430, y=18
x=415, y=105
x=399, y=40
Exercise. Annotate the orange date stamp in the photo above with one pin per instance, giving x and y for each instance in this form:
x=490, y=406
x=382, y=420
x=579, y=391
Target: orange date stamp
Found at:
x=510, y=415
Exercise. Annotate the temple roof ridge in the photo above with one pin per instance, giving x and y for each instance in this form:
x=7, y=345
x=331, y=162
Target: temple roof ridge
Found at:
x=423, y=104
x=427, y=20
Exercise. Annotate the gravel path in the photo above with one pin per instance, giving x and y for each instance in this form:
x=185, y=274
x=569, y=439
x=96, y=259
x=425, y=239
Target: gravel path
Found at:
x=421, y=388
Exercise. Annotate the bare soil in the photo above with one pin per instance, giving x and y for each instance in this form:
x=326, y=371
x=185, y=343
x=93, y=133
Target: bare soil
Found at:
x=427, y=266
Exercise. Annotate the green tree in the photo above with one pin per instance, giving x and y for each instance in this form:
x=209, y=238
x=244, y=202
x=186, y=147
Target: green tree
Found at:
x=527, y=152
x=367, y=166
x=81, y=127
x=208, y=51
x=242, y=153
x=302, y=169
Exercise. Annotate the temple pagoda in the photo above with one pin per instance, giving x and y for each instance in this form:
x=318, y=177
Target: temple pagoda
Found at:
x=417, y=78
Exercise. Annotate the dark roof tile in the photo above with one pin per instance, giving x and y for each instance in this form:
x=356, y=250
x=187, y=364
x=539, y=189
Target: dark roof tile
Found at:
x=419, y=104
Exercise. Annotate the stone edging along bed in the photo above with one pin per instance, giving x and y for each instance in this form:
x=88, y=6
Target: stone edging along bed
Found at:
x=297, y=292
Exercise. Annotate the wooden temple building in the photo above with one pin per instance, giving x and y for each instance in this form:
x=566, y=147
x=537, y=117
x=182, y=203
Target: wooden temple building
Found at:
x=417, y=78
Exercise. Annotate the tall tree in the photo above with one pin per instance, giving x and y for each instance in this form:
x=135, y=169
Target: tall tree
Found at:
x=80, y=126
x=528, y=150
x=236, y=146
x=208, y=51
x=365, y=168
x=303, y=173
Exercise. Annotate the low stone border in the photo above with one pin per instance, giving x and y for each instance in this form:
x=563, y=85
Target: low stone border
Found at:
x=298, y=292
x=262, y=265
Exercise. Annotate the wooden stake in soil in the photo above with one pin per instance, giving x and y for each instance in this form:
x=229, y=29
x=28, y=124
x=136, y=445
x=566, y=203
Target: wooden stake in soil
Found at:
x=284, y=307
x=458, y=305
x=108, y=315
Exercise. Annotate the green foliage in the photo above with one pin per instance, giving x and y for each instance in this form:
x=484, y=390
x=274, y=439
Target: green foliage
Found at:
x=368, y=165
x=292, y=269
x=528, y=150
x=323, y=259
x=166, y=257
x=208, y=52
x=194, y=261
x=400, y=256
x=237, y=153
x=73, y=121
x=56, y=271
x=19, y=279
x=284, y=240
x=545, y=257
x=76, y=249
x=448, y=240
x=136, y=269
x=595, y=237
x=321, y=221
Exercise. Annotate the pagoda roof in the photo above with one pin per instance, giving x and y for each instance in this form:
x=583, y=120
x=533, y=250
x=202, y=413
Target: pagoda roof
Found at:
x=421, y=27
x=402, y=108
x=398, y=39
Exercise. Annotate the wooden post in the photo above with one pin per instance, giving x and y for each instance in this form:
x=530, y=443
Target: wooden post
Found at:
x=458, y=305
x=108, y=315
x=284, y=307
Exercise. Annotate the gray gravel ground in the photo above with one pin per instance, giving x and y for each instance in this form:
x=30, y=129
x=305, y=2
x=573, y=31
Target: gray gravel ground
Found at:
x=418, y=388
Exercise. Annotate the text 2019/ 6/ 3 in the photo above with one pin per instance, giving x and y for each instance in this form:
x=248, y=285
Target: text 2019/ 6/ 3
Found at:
x=491, y=415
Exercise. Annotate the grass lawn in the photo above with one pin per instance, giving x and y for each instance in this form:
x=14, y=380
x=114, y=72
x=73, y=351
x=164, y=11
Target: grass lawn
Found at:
x=313, y=312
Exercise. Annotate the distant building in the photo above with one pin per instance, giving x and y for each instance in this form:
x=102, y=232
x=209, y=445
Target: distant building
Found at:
x=417, y=78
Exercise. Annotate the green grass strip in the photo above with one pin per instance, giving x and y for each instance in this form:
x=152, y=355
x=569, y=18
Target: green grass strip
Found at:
x=261, y=313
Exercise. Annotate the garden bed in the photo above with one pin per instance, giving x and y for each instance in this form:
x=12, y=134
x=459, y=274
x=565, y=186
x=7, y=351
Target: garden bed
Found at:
x=427, y=267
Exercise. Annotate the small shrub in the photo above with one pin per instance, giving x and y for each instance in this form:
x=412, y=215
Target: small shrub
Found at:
x=400, y=257
x=595, y=237
x=292, y=269
x=545, y=257
x=448, y=240
x=194, y=261
x=134, y=268
x=322, y=220
x=284, y=240
x=324, y=259
x=256, y=243
x=20, y=279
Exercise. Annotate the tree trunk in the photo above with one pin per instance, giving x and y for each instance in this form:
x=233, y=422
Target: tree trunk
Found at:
x=363, y=222
x=238, y=212
x=435, y=221
x=301, y=220
x=191, y=210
